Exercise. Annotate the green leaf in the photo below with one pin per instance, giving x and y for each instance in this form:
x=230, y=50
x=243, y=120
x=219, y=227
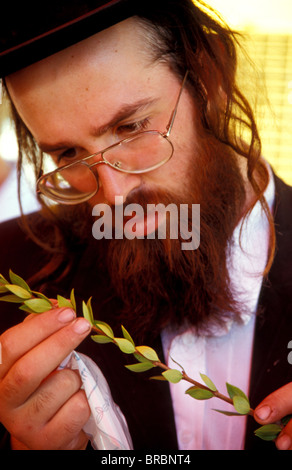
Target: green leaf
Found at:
x=101, y=339
x=140, y=358
x=140, y=366
x=41, y=296
x=227, y=413
x=87, y=313
x=3, y=280
x=127, y=335
x=241, y=405
x=90, y=310
x=26, y=309
x=148, y=353
x=11, y=298
x=240, y=400
x=15, y=279
x=105, y=328
x=63, y=302
x=3, y=289
x=199, y=393
x=125, y=345
x=208, y=382
x=172, y=375
x=72, y=299
x=235, y=391
x=268, y=432
x=38, y=305
x=19, y=291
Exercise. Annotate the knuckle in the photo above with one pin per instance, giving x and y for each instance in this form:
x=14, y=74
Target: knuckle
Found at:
x=72, y=428
x=14, y=381
x=69, y=379
x=8, y=389
x=20, y=375
x=6, y=343
x=42, y=401
x=48, y=395
x=82, y=405
x=19, y=428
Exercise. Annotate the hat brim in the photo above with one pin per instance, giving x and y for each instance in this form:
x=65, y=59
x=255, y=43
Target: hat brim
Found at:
x=63, y=34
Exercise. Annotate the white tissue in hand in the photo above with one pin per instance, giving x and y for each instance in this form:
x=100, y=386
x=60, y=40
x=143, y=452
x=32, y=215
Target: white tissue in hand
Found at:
x=106, y=428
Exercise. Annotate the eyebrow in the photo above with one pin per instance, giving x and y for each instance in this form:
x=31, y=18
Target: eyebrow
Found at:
x=123, y=113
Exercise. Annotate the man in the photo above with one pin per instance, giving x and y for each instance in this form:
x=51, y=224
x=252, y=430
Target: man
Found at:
x=134, y=73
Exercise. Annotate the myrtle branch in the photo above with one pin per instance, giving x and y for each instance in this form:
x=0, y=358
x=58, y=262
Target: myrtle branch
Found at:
x=148, y=359
x=16, y=290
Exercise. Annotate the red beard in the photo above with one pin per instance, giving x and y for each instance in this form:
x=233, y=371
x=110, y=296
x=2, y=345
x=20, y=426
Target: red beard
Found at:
x=158, y=283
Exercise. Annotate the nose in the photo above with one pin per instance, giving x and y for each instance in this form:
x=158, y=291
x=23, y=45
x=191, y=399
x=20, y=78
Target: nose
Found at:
x=115, y=183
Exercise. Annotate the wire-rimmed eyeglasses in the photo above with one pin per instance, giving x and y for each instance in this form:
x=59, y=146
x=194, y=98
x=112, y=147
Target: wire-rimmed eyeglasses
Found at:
x=144, y=151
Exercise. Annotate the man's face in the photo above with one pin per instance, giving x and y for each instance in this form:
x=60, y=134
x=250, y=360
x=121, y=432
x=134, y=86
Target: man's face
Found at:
x=99, y=91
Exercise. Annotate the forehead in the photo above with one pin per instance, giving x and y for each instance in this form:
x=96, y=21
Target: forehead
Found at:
x=111, y=55
x=122, y=44
x=89, y=82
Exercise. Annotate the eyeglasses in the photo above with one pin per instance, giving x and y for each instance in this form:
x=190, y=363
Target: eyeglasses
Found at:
x=145, y=151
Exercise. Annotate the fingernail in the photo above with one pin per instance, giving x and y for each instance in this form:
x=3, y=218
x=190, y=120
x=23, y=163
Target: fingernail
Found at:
x=263, y=412
x=81, y=326
x=283, y=442
x=66, y=315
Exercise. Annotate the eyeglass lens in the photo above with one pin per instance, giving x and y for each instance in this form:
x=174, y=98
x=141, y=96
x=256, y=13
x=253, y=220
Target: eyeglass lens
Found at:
x=77, y=182
x=144, y=151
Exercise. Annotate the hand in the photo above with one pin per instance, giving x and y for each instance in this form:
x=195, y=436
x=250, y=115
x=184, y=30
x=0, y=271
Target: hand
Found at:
x=41, y=407
x=273, y=408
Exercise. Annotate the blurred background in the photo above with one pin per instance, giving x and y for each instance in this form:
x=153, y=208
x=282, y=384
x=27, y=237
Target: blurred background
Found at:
x=9, y=206
x=267, y=28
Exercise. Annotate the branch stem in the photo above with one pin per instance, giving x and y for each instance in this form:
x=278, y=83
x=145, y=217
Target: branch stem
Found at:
x=184, y=376
x=200, y=385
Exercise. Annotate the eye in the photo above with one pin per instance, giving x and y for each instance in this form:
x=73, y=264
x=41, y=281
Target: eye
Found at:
x=67, y=155
x=132, y=127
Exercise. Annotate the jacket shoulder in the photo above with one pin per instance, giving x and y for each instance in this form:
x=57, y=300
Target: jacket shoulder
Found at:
x=18, y=251
x=283, y=204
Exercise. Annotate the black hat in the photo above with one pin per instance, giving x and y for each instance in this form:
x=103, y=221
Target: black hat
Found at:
x=33, y=30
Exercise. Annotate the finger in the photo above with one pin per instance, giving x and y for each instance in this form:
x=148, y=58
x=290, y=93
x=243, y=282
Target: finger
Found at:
x=51, y=395
x=63, y=431
x=30, y=370
x=284, y=440
x=19, y=339
x=275, y=406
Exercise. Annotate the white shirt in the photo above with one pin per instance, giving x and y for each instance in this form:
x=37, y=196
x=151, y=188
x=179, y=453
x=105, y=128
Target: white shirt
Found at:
x=225, y=356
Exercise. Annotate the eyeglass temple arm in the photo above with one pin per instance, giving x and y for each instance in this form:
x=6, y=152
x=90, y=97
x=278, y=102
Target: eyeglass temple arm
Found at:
x=173, y=114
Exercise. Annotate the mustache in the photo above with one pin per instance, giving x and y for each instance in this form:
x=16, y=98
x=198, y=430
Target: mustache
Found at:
x=162, y=213
x=149, y=198
x=144, y=195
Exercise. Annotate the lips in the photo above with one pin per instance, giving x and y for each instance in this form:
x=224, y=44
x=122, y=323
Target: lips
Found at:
x=141, y=227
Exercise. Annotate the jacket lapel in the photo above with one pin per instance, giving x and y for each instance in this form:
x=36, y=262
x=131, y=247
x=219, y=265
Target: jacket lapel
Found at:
x=270, y=367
